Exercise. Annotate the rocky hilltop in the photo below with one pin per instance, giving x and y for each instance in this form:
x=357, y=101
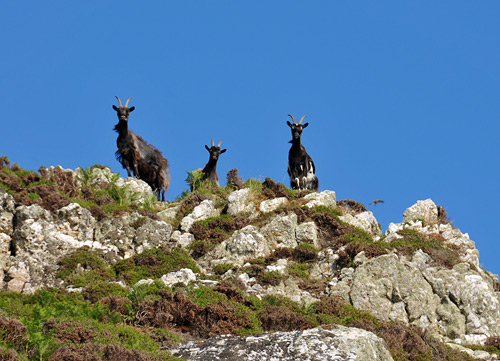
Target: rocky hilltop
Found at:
x=93, y=268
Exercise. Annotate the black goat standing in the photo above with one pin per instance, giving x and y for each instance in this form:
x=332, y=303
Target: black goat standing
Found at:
x=301, y=169
x=145, y=161
x=210, y=170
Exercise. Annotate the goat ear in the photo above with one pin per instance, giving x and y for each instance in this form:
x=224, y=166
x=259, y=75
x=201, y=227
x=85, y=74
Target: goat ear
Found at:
x=289, y=124
x=115, y=107
x=207, y=148
x=131, y=109
x=305, y=125
x=222, y=151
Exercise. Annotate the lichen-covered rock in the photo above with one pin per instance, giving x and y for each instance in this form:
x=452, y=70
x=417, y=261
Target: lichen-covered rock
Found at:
x=137, y=190
x=325, y=198
x=365, y=220
x=337, y=343
x=391, y=289
x=152, y=234
x=169, y=214
x=425, y=211
x=270, y=205
x=238, y=201
x=41, y=239
x=204, y=210
x=291, y=290
x=182, y=239
x=130, y=234
x=184, y=275
x=471, y=298
x=460, y=303
x=7, y=208
x=307, y=232
x=244, y=244
x=280, y=231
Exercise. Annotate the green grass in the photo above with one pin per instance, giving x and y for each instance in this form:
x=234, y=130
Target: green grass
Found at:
x=154, y=263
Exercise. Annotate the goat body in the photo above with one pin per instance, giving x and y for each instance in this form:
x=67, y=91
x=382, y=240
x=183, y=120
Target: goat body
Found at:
x=301, y=168
x=136, y=155
x=210, y=170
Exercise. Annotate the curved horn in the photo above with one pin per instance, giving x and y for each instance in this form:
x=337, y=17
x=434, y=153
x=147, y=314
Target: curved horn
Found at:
x=119, y=101
x=126, y=104
x=291, y=116
x=219, y=143
x=212, y=142
x=302, y=119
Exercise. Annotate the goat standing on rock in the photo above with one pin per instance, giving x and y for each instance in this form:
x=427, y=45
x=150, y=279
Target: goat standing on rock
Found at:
x=145, y=161
x=301, y=169
x=210, y=170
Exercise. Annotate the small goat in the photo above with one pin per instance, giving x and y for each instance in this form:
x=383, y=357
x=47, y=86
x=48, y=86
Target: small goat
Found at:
x=145, y=161
x=301, y=169
x=210, y=170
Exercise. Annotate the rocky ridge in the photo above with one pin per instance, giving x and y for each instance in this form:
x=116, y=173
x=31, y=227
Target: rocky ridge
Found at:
x=422, y=273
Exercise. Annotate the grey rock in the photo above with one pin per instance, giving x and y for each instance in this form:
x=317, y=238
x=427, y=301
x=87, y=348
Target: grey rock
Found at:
x=204, y=210
x=365, y=220
x=382, y=283
x=319, y=344
x=325, y=198
x=184, y=275
x=280, y=231
x=270, y=205
x=422, y=210
x=238, y=201
x=244, y=244
x=168, y=215
x=307, y=232
x=182, y=239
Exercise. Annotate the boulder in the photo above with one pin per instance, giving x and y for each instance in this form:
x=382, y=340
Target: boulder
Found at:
x=337, y=343
x=325, y=198
x=238, y=201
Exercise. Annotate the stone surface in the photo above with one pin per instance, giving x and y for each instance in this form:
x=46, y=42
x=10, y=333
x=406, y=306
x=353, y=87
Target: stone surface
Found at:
x=270, y=205
x=184, y=275
x=365, y=220
x=336, y=344
x=238, y=201
x=325, y=198
x=307, y=232
x=280, y=231
x=204, y=210
x=243, y=245
x=425, y=211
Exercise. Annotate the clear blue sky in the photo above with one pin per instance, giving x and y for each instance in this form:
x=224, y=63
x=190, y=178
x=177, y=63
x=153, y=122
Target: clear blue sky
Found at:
x=402, y=97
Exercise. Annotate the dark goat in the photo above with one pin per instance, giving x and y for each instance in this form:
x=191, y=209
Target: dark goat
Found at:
x=301, y=169
x=210, y=170
x=145, y=161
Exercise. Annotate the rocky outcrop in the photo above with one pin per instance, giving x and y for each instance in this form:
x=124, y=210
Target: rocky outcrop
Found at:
x=280, y=249
x=318, y=344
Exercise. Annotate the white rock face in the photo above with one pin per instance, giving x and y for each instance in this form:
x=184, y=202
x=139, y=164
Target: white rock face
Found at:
x=325, y=198
x=204, y=210
x=183, y=239
x=280, y=231
x=168, y=215
x=337, y=343
x=307, y=232
x=245, y=244
x=238, y=202
x=460, y=303
x=184, y=275
x=365, y=220
x=272, y=204
x=423, y=210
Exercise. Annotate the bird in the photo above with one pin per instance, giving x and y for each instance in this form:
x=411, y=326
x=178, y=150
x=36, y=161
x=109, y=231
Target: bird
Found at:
x=376, y=201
